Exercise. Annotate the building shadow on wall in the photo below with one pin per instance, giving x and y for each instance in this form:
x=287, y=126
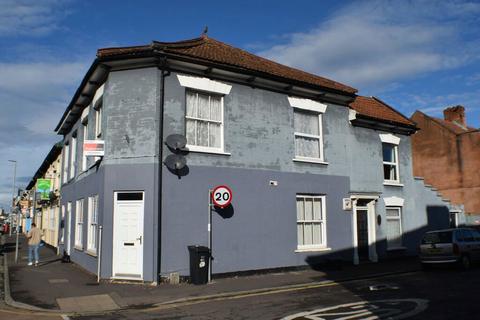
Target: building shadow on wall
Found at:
x=438, y=217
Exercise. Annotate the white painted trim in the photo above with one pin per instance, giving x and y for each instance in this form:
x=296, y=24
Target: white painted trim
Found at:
x=313, y=250
x=201, y=149
x=393, y=201
x=319, y=137
x=324, y=239
x=307, y=104
x=309, y=160
x=352, y=114
x=204, y=84
x=85, y=113
x=393, y=184
x=371, y=223
x=98, y=94
x=389, y=138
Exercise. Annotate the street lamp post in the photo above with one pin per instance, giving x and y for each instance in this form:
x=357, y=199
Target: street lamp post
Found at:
x=13, y=192
x=13, y=204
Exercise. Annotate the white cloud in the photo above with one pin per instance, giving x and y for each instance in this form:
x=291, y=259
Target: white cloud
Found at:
x=33, y=97
x=370, y=43
x=30, y=17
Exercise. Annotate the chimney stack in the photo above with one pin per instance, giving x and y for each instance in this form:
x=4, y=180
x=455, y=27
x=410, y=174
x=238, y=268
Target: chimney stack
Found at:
x=455, y=114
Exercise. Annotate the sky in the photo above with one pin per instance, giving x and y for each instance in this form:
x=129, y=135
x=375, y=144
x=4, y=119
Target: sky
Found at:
x=414, y=55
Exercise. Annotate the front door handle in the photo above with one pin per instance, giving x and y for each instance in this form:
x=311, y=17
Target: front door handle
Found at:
x=140, y=239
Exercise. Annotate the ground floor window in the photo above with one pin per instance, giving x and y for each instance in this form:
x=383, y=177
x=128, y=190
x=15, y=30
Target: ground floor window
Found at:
x=92, y=223
x=311, y=222
x=394, y=227
x=62, y=225
x=79, y=224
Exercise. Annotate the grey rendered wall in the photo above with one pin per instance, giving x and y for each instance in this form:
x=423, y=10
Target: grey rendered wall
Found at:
x=262, y=232
x=130, y=131
x=259, y=136
x=131, y=103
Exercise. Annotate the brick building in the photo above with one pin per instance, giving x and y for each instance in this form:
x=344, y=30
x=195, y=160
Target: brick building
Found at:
x=446, y=152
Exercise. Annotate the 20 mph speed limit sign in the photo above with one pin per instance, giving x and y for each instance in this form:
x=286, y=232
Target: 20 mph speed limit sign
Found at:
x=222, y=196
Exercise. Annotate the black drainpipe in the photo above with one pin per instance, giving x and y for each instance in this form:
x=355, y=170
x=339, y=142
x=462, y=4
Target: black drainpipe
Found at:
x=162, y=65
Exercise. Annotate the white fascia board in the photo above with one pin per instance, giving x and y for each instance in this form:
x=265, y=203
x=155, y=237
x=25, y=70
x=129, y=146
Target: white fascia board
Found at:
x=393, y=201
x=389, y=138
x=204, y=84
x=307, y=104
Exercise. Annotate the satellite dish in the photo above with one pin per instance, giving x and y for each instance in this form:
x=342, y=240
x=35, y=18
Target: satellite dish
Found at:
x=175, y=162
x=176, y=141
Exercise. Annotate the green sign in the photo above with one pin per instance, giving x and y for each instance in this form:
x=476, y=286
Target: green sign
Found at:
x=43, y=186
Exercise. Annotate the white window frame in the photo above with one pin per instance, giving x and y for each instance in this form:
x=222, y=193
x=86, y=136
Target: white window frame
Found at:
x=396, y=164
x=85, y=137
x=314, y=107
x=396, y=218
x=193, y=147
x=73, y=157
x=98, y=121
x=323, y=223
x=97, y=104
x=310, y=136
x=79, y=211
x=92, y=232
x=66, y=161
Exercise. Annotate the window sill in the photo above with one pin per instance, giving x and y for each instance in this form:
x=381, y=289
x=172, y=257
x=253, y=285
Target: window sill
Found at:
x=206, y=150
x=312, y=160
x=313, y=249
x=396, y=248
x=393, y=184
x=91, y=253
x=78, y=248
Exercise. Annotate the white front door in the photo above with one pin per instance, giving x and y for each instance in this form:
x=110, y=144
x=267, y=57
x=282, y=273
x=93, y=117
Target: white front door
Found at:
x=128, y=235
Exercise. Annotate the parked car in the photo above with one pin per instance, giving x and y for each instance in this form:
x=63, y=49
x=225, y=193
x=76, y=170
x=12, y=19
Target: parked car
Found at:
x=449, y=246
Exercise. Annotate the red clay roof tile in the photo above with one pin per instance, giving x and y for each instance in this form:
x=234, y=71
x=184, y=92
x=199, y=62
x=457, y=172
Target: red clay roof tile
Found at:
x=212, y=50
x=375, y=108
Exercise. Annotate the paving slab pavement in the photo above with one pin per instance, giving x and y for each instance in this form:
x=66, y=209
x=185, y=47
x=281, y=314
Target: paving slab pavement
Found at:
x=66, y=286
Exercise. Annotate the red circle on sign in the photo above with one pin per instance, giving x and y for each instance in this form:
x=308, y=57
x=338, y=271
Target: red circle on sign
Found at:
x=222, y=196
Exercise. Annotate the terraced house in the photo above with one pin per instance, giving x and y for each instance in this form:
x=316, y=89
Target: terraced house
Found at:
x=317, y=172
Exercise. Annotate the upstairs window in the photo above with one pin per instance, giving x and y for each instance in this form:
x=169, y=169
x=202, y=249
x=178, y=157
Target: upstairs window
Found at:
x=204, y=121
x=307, y=127
x=73, y=156
x=308, y=134
x=66, y=161
x=98, y=118
x=85, y=137
x=390, y=162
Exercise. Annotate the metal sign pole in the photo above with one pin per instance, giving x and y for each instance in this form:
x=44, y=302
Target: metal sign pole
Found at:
x=16, y=241
x=210, y=234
